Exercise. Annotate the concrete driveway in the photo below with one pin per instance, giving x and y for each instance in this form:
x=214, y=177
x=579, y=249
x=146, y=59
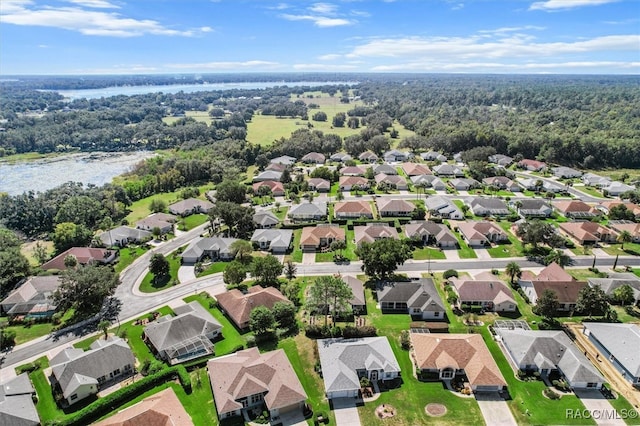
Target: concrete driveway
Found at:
x=451, y=254
x=495, y=410
x=599, y=408
x=346, y=411
x=482, y=253
x=186, y=273
x=308, y=258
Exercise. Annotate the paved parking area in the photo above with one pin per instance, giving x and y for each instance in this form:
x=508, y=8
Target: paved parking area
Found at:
x=482, y=253
x=599, y=407
x=346, y=411
x=495, y=410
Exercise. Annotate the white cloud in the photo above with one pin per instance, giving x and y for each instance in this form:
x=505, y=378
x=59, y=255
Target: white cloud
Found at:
x=87, y=22
x=330, y=57
x=229, y=65
x=96, y=4
x=503, y=30
x=279, y=6
x=323, y=8
x=458, y=6
x=499, y=67
x=43, y=46
x=325, y=67
x=552, y=5
x=119, y=69
x=319, y=21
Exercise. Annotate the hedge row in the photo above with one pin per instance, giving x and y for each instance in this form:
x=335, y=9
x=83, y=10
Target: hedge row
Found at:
x=106, y=405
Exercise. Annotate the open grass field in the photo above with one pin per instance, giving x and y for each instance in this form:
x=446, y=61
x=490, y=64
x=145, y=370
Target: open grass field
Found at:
x=27, y=249
x=140, y=209
x=616, y=174
x=127, y=255
x=199, y=116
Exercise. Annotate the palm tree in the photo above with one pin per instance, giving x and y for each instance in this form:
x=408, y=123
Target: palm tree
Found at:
x=104, y=326
x=624, y=237
x=513, y=270
x=559, y=257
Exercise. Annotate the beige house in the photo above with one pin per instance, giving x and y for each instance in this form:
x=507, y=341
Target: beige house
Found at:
x=160, y=409
x=374, y=231
x=238, y=306
x=353, y=210
x=316, y=237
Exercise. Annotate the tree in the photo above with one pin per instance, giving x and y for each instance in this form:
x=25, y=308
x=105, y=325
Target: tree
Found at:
x=621, y=212
x=290, y=270
x=40, y=253
x=513, y=270
x=104, y=327
x=67, y=235
x=419, y=212
x=319, y=116
x=291, y=290
x=231, y=191
x=338, y=245
x=266, y=269
x=339, y=119
x=70, y=261
x=234, y=273
x=157, y=206
x=239, y=219
x=284, y=314
x=624, y=237
x=382, y=257
x=592, y=300
x=537, y=232
x=547, y=304
x=623, y=294
x=159, y=266
x=156, y=232
x=465, y=209
x=242, y=250
x=264, y=192
x=559, y=257
x=81, y=210
x=85, y=289
x=329, y=294
x=13, y=267
x=261, y=320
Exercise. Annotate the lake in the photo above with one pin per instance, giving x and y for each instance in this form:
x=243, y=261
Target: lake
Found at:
x=97, y=168
x=186, y=88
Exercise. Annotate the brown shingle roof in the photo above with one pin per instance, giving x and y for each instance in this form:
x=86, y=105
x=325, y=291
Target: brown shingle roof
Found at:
x=238, y=306
x=390, y=205
x=554, y=272
x=84, y=255
x=569, y=206
x=353, y=180
x=311, y=235
x=413, y=169
x=353, y=207
x=567, y=291
x=482, y=290
x=459, y=351
x=161, y=409
x=372, y=232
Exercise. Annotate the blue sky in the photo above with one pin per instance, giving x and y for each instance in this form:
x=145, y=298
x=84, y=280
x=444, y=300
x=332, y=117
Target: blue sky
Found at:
x=208, y=36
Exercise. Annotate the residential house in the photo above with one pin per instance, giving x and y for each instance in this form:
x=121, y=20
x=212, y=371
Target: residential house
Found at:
x=480, y=233
x=619, y=344
x=431, y=233
x=532, y=165
x=539, y=185
x=272, y=175
x=588, y=233
x=274, y=240
x=186, y=336
x=123, y=236
x=238, y=306
x=445, y=169
x=319, y=184
x=591, y=179
x=386, y=169
x=308, y=211
x=616, y=188
x=566, y=172
x=547, y=351
x=532, y=208
x=341, y=157
x=618, y=226
x=265, y=219
x=418, y=298
x=82, y=373
x=501, y=160
x=214, y=248
x=388, y=207
x=353, y=171
x=347, y=183
x=443, y=207
x=457, y=157
x=248, y=380
x=358, y=302
x=464, y=184
x=33, y=298
x=394, y=155
x=276, y=188
x=373, y=232
x=314, y=238
x=428, y=181
x=353, y=210
x=616, y=280
x=190, y=206
x=276, y=167
x=392, y=181
x=368, y=157
x=502, y=182
x=482, y=206
x=575, y=209
x=314, y=158
x=606, y=206
x=345, y=361
x=83, y=255
x=485, y=291
x=164, y=222
x=16, y=402
x=433, y=156
x=415, y=169
x=450, y=355
x=553, y=278
x=285, y=160
x=160, y=409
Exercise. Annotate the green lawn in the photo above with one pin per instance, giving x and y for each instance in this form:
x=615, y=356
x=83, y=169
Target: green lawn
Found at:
x=280, y=213
x=232, y=337
x=199, y=116
x=465, y=252
x=296, y=254
x=46, y=406
x=190, y=222
x=589, y=190
x=149, y=285
x=24, y=334
x=621, y=405
x=214, y=268
x=512, y=249
x=140, y=209
x=630, y=249
x=424, y=253
x=127, y=255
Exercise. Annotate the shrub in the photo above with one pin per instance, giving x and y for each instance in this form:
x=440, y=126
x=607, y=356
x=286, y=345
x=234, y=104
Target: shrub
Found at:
x=27, y=368
x=404, y=340
x=450, y=273
x=495, y=272
x=549, y=393
x=184, y=378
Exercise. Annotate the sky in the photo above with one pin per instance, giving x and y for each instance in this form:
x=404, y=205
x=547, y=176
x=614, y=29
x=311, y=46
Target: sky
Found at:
x=419, y=36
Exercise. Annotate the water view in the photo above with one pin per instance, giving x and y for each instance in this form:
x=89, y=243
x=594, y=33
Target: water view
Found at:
x=95, y=168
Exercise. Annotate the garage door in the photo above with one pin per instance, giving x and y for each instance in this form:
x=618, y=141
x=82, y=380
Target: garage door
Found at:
x=343, y=394
x=488, y=388
x=291, y=407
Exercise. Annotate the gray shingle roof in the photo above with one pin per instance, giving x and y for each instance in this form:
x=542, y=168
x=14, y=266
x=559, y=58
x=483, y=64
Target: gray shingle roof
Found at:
x=198, y=247
x=621, y=340
x=124, y=233
x=16, y=405
x=265, y=218
x=417, y=294
x=315, y=208
x=280, y=239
